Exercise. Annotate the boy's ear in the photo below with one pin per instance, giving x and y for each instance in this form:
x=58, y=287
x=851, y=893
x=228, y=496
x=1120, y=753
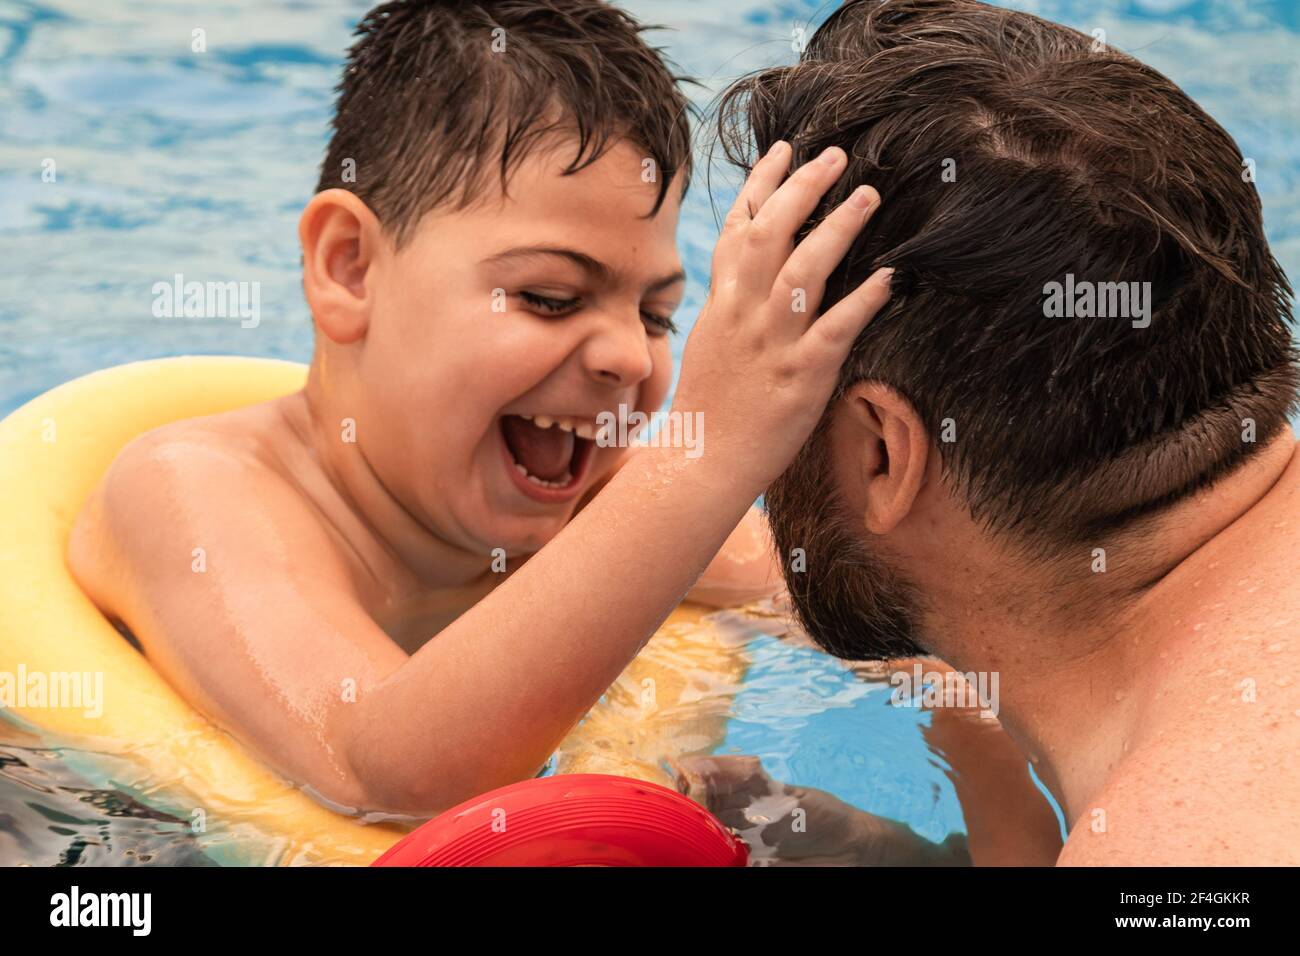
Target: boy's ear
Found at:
x=340, y=237
x=895, y=449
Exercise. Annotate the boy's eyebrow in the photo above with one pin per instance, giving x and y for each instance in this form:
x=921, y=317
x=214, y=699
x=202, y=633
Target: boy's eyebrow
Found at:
x=592, y=266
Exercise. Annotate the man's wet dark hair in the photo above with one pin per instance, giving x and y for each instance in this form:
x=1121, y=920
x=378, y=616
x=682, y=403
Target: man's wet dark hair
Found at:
x=437, y=95
x=1069, y=159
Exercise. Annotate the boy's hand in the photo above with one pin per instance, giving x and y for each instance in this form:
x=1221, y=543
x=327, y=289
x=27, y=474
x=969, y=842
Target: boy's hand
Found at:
x=756, y=363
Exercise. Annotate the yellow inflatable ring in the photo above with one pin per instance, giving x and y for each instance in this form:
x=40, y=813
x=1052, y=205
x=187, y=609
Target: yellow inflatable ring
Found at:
x=54, y=450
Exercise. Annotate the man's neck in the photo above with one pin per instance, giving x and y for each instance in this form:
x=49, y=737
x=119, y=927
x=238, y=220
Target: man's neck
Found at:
x=1071, y=655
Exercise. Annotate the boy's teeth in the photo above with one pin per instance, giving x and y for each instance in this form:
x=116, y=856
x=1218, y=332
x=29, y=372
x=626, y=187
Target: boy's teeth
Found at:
x=539, y=451
x=583, y=429
x=564, y=481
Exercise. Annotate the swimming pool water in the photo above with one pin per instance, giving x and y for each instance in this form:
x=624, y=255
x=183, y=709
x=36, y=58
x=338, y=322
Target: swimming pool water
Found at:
x=168, y=162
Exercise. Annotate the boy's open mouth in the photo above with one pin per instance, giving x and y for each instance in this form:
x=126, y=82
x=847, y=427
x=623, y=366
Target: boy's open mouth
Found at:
x=548, y=455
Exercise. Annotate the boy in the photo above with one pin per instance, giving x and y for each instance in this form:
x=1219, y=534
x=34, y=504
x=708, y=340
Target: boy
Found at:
x=490, y=264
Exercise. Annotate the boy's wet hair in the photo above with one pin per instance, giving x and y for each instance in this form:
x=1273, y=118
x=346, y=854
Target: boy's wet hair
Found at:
x=437, y=95
x=1065, y=157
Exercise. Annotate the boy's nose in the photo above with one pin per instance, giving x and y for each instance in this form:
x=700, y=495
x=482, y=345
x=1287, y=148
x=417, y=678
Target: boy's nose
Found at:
x=618, y=355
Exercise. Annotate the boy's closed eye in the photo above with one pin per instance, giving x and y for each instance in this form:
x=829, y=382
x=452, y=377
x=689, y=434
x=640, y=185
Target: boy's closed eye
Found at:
x=658, y=319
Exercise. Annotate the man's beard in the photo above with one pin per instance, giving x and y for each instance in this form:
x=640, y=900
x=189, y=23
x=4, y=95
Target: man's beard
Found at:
x=849, y=600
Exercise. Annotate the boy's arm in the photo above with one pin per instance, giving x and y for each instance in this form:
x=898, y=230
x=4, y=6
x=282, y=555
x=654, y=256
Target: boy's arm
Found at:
x=240, y=597
x=745, y=568
x=272, y=639
x=243, y=601
x=532, y=657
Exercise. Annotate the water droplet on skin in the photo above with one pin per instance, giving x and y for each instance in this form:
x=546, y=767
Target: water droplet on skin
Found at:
x=1215, y=748
x=1274, y=648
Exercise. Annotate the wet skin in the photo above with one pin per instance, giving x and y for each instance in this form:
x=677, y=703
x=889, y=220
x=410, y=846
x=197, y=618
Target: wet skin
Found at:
x=344, y=526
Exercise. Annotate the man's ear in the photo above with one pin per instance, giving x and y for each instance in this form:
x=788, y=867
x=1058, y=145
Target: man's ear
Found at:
x=895, y=449
x=340, y=237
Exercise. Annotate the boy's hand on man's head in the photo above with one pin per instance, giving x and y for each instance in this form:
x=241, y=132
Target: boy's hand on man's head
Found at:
x=756, y=364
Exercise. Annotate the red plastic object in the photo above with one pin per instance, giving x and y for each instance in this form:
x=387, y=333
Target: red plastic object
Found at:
x=583, y=819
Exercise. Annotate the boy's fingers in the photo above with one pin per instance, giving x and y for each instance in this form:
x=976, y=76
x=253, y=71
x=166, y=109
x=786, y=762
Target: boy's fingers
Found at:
x=764, y=179
x=832, y=335
x=803, y=277
x=770, y=237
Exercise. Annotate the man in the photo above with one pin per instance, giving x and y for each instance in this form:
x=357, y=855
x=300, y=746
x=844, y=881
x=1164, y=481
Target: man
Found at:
x=1061, y=453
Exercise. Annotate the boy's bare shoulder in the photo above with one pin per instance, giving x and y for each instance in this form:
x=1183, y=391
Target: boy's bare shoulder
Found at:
x=180, y=495
x=233, y=442
x=210, y=459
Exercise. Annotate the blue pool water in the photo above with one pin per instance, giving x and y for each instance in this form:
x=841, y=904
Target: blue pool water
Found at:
x=171, y=162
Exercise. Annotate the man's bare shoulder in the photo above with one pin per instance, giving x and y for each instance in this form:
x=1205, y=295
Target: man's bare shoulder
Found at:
x=1217, y=792
x=1209, y=775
